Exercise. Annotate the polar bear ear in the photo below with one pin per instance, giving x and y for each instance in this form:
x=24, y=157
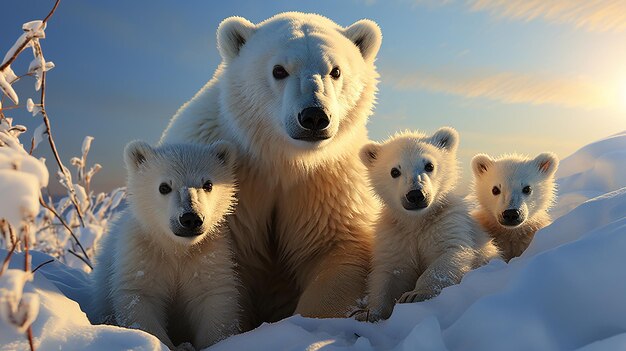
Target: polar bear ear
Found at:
x=225, y=152
x=136, y=153
x=546, y=163
x=369, y=153
x=481, y=164
x=232, y=34
x=445, y=138
x=366, y=35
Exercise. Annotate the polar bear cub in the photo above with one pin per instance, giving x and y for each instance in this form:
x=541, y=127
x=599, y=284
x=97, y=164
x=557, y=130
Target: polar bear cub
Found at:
x=514, y=194
x=166, y=264
x=425, y=238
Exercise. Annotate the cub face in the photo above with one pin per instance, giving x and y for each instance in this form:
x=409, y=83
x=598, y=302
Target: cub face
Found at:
x=514, y=188
x=181, y=192
x=411, y=171
x=300, y=73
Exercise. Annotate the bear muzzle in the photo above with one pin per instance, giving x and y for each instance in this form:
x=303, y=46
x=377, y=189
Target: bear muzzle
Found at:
x=189, y=225
x=415, y=199
x=512, y=217
x=313, y=125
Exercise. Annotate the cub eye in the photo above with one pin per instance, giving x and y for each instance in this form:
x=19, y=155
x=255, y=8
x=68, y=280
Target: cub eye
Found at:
x=495, y=191
x=207, y=186
x=395, y=173
x=429, y=167
x=165, y=189
x=335, y=73
x=527, y=190
x=279, y=72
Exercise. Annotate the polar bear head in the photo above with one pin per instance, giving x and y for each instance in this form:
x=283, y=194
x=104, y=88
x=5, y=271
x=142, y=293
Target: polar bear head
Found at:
x=514, y=188
x=411, y=171
x=180, y=192
x=297, y=86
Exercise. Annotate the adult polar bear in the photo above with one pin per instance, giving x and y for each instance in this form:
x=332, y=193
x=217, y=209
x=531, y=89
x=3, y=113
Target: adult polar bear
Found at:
x=293, y=93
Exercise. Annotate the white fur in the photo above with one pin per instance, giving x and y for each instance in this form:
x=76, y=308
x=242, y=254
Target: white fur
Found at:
x=510, y=174
x=418, y=252
x=302, y=228
x=146, y=276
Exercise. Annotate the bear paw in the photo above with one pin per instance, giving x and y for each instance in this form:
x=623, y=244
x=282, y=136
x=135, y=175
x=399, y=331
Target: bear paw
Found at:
x=416, y=296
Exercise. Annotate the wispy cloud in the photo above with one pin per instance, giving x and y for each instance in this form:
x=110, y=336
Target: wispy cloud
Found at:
x=593, y=15
x=506, y=87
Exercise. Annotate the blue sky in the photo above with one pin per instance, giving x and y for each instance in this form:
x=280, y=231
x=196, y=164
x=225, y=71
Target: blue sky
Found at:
x=512, y=76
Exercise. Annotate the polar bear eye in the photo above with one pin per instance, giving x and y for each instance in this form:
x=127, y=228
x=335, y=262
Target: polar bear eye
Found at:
x=429, y=167
x=335, y=73
x=527, y=190
x=495, y=191
x=395, y=173
x=279, y=72
x=207, y=186
x=164, y=189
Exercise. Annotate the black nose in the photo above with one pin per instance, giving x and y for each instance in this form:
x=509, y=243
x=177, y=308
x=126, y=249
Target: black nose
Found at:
x=512, y=216
x=190, y=220
x=415, y=199
x=313, y=118
x=415, y=196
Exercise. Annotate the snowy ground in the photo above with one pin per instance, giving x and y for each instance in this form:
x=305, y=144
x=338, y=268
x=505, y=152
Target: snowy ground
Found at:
x=566, y=292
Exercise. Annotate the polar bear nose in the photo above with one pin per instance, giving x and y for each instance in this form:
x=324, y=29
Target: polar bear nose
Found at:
x=511, y=216
x=190, y=220
x=313, y=118
x=415, y=199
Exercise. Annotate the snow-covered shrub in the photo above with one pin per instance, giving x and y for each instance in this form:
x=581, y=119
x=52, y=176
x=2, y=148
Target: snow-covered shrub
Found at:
x=69, y=228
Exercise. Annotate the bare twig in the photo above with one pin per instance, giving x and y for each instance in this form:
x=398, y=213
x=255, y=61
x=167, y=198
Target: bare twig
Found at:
x=5, y=264
x=79, y=257
x=54, y=212
x=25, y=44
x=42, y=264
x=46, y=120
x=29, y=335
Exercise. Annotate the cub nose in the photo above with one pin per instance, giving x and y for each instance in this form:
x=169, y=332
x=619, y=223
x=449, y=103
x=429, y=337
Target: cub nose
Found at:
x=190, y=220
x=511, y=215
x=415, y=200
x=313, y=118
x=415, y=196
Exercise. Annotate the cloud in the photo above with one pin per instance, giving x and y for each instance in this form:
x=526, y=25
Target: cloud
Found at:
x=593, y=15
x=506, y=87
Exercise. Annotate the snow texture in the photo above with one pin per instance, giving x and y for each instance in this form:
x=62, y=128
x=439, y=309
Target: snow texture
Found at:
x=565, y=292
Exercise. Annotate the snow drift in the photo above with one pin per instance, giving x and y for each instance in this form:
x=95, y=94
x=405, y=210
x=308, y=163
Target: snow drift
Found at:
x=566, y=291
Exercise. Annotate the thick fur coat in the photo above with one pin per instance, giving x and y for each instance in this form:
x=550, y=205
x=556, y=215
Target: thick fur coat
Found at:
x=302, y=229
x=157, y=272
x=426, y=239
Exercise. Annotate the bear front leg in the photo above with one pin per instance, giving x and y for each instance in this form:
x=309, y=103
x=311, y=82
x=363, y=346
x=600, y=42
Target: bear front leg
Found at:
x=335, y=284
x=386, y=284
x=133, y=309
x=212, y=311
x=448, y=269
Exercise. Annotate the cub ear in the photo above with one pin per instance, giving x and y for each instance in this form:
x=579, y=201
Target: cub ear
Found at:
x=135, y=154
x=232, y=34
x=225, y=152
x=546, y=163
x=366, y=35
x=481, y=164
x=446, y=138
x=369, y=154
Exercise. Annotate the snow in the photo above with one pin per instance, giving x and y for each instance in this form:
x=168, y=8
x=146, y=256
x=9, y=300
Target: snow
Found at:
x=565, y=292
x=593, y=170
x=21, y=178
x=61, y=324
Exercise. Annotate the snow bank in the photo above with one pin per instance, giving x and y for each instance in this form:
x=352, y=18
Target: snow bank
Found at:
x=565, y=292
x=61, y=324
x=595, y=169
